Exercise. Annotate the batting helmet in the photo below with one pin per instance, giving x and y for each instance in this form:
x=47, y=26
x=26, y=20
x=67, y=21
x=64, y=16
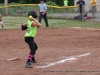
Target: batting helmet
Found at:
x=32, y=13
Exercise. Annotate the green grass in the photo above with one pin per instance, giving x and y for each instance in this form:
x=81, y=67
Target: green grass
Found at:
x=15, y=22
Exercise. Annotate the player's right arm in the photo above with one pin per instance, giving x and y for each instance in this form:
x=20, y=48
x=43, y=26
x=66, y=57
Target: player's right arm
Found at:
x=35, y=23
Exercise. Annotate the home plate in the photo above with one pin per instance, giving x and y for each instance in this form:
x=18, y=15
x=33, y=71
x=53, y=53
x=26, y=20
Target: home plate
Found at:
x=13, y=59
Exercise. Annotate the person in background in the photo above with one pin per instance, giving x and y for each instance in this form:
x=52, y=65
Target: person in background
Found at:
x=66, y=4
x=94, y=9
x=81, y=4
x=1, y=22
x=43, y=12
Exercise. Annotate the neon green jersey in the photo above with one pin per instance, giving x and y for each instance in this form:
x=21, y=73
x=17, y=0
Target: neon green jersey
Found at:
x=65, y=2
x=31, y=31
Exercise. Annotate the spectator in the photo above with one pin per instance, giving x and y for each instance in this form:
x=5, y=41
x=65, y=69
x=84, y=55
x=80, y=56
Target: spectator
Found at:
x=94, y=9
x=66, y=3
x=81, y=4
x=1, y=22
x=42, y=12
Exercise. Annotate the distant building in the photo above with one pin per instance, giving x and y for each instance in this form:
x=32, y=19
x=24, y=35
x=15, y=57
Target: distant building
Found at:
x=88, y=6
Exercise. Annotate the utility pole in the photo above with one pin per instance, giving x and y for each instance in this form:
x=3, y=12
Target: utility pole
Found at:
x=6, y=9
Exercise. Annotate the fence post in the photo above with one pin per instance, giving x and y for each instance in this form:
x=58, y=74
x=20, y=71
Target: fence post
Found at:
x=65, y=13
x=52, y=12
x=6, y=9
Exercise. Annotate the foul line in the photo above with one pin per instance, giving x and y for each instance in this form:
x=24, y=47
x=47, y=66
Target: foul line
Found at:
x=68, y=59
x=84, y=28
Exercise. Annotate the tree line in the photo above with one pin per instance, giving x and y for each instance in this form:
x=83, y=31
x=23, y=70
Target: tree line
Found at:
x=57, y=2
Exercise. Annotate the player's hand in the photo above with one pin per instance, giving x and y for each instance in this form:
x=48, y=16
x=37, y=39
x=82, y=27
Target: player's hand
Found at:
x=43, y=13
x=23, y=27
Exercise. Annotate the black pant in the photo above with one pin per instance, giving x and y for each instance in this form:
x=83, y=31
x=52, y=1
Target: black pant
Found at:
x=81, y=11
x=32, y=45
x=44, y=17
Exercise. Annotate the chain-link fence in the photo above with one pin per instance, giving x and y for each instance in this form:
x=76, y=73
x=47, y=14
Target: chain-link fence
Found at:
x=52, y=12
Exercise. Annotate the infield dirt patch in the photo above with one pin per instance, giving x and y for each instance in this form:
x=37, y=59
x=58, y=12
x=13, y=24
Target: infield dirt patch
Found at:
x=54, y=44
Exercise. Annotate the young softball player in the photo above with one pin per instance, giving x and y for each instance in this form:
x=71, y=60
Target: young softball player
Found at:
x=1, y=22
x=31, y=25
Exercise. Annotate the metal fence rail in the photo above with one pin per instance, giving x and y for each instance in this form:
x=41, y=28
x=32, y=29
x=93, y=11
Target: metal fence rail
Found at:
x=53, y=11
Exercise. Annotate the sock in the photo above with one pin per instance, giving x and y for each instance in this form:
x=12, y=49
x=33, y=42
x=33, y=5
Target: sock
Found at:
x=33, y=57
x=29, y=58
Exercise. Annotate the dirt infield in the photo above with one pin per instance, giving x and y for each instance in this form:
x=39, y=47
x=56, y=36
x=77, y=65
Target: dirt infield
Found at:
x=62, y=51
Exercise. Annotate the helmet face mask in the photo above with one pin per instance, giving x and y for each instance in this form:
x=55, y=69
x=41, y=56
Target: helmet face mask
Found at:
x=32, y=13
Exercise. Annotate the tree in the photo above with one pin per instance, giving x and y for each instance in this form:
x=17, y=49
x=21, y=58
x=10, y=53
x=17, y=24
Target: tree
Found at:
x=58, y=2
x=71, y=2
x=1, y=1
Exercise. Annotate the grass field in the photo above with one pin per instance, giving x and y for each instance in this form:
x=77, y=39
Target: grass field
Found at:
x=14, y=22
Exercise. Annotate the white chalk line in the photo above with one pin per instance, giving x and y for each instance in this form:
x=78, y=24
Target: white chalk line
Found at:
x=68, y=59
x=84, y=28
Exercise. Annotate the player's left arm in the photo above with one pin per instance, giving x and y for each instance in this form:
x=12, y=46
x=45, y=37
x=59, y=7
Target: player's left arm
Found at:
x=94, y=1
x=24, y=26
x=83, y=3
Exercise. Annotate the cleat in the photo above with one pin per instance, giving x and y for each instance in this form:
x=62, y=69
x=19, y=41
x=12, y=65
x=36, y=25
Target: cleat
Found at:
x=33, y=61
x=28, y=65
